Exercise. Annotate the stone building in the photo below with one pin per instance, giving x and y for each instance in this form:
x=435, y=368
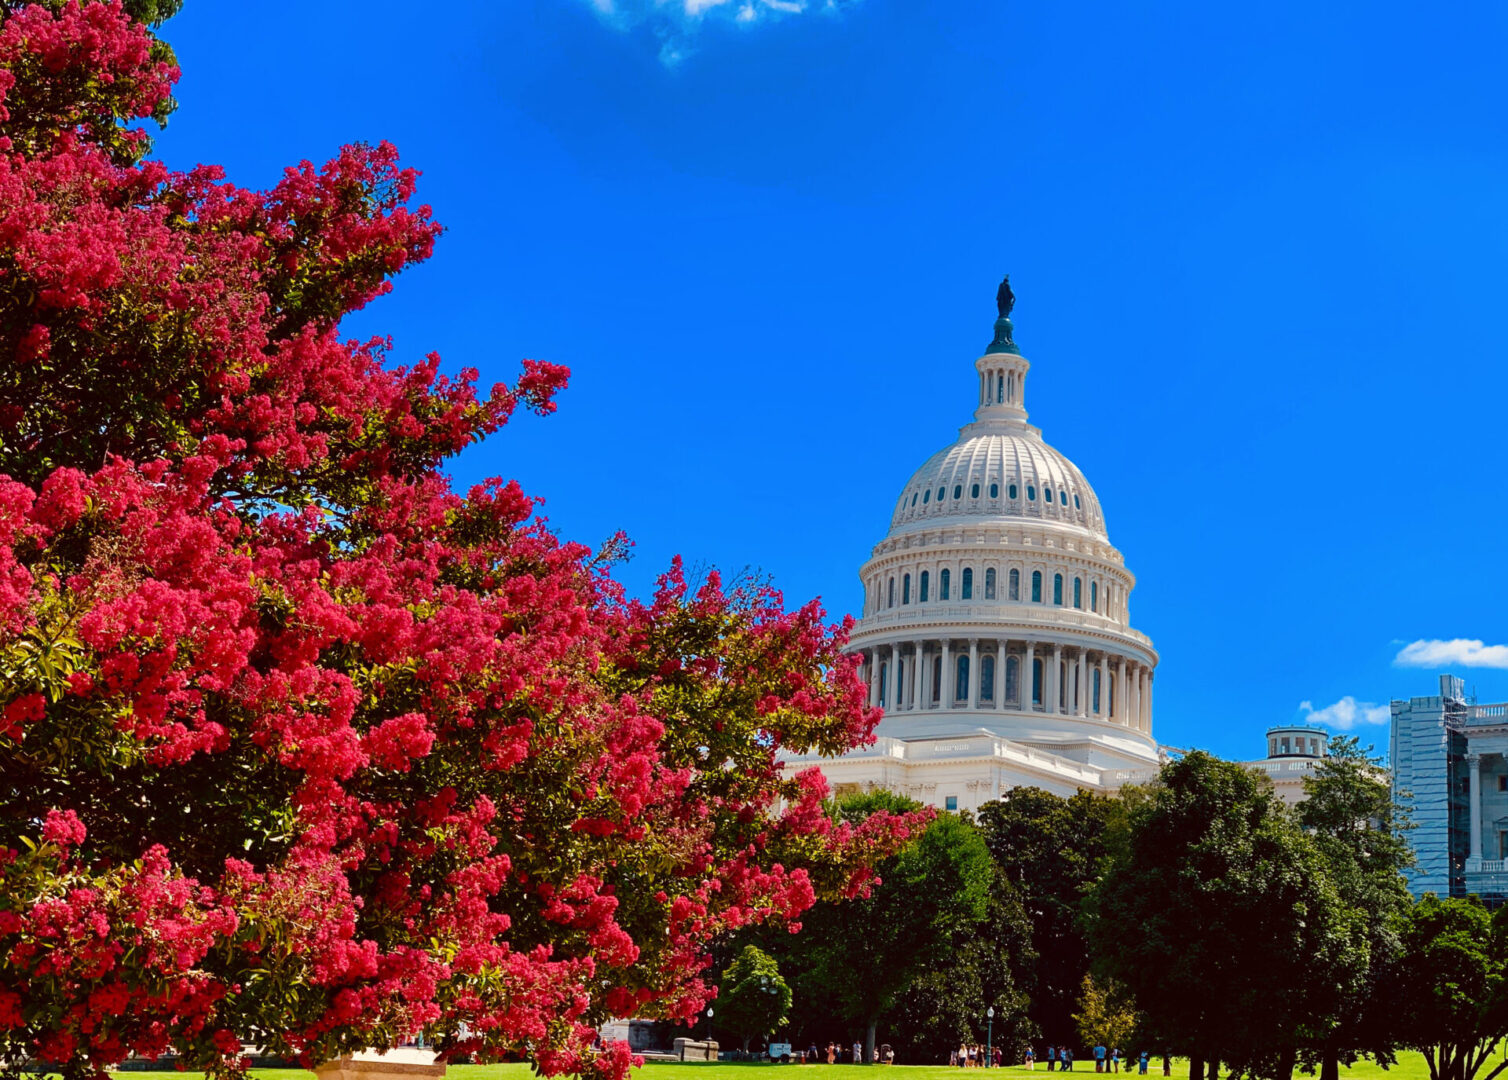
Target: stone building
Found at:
x=996, y=629
x=1293, y=750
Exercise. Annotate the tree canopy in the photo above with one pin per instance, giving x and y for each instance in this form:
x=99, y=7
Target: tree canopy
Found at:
x=298, y=746
x=752, y=996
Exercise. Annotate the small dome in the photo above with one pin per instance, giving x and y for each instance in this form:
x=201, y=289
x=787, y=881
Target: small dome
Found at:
x=1000, y=473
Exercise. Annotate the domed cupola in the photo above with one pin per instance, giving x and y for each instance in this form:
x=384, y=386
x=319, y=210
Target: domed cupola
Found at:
x=996, y=599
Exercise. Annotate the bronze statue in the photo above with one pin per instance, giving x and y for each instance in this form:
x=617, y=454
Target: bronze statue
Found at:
x=1004, y=298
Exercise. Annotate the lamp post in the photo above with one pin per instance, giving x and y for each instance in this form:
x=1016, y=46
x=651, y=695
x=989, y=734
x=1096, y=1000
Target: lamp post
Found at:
x=709, y=1023
x=989, y=1039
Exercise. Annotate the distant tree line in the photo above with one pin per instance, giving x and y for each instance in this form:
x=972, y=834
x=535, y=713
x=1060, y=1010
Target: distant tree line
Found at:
x=1196, y=916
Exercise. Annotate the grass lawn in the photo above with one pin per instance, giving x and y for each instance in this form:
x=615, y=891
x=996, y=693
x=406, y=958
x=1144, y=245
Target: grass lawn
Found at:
x=1410, y=1066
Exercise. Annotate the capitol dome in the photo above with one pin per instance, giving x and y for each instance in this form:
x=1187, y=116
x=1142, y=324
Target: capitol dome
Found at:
x=996, y=631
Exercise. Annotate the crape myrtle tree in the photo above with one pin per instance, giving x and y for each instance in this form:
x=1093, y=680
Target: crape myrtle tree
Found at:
x=1218, y=915
x=1348, y=812
x=298, y=747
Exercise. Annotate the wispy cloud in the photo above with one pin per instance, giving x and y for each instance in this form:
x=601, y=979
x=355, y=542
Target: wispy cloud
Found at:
x=676, y=22
x=1457, y=652
x=1345, y=714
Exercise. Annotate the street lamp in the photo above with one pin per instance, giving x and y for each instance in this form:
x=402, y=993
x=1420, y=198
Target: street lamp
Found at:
x=989, y=1039
x=709, y=1023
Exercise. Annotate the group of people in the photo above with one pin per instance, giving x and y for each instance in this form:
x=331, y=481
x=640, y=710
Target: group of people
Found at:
x=975, y=1056
x=1104, y=1060
x=883, y=1055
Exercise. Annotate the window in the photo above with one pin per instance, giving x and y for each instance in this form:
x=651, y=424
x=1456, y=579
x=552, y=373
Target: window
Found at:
x=884, y=670
x=943, y=580
x=951, y=803
x=1010, y=385
x=1272, y=748
x=1062, y=684
x=1012, y=680
x=1078, y=593
x=1011, y=491
x=1031, y=493
x=961, y=684
x=927, y=496
x=974, y=492
x=923, y=585
x=913, y=500
x=1094, y=596
x=1036, y=586
x=994, y=491
x=936, y=677
x=1015, y=593
x=957, y=491
x=966, y=592
x=1036, y=682
x=940, y=493
x=1285, y=746
x=987, y=679
x=999, y=389
x=906, y=589
x=1076, y=502
x=1503, y=783
x=1096, y=690
x=891, y=601
x=1047, y=494
x=989, y=584
x=1057, y=589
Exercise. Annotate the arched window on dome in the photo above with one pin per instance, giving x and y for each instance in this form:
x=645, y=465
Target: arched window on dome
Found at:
x=1063, y=497
x=891, y=601
x=1076, y=505
x=1031, y=493
x=1036, y=586
x=940, y=493
x=994, y=491
x=927, y=496
x=1094, y=596
x=1011, y=491
x=1078, y=593
x=987, y=678
x=961, y=684
x=884, y=671
x=944, y=578
x=1036, y=682
x=974, y=492
x=1047, y=494
x=1012, y=681
x=957, y=491
x=1015, y=585
x=1096, y=690
x=937, y=677
x=1057, y=589
x=913, y=498
x=989, y=584
x=906, y=589
x=966, y=589
x=924, y=584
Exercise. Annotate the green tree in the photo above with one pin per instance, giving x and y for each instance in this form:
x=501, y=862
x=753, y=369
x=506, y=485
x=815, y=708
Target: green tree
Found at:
x=1107, y=1015
x=1349, y=813
x=753, y=999
x=1050, y=849
x=1447, y=993
x=866, y=953
x=1219, y=917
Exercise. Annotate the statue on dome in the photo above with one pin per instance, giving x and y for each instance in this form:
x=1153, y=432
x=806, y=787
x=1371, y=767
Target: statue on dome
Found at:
x=1004, y=298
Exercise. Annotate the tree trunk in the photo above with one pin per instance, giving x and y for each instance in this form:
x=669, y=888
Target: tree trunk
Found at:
x=1212, y=1070
x=1285, y=1065
x=1330, y=1065
x=1196, y=1068
x=746, y=1044
x=869, y=1041
x=1167, y=1065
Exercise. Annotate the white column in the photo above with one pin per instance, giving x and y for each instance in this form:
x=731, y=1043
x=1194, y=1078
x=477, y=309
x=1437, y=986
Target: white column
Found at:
x=923, y=677
x=1122, y=691
x=1146, y=716
x=1055, y=700
x=973, y=673
x=1104, y=710
x=874, y=676
x=1081, y=707
x=1028, y=678
x=999, y=686
x=945, y=691
x=916, y=680
x=1133, y=700
x=1474, y=798
x=1141, y=697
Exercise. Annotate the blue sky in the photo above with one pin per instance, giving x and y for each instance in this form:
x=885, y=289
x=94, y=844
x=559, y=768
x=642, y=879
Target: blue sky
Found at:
x=1259, y=254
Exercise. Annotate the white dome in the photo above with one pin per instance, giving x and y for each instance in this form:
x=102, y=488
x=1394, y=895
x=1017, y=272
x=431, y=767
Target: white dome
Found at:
x=999, y=473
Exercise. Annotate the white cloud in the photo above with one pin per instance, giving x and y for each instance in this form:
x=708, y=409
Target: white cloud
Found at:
x=1346, y=713
x=676, y=22
x=1457, y=652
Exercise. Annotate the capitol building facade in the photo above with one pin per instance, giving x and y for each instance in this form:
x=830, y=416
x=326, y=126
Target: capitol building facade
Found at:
x=996, y=631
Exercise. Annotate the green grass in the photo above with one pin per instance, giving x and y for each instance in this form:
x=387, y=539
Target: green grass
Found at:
x=1410, y=1066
